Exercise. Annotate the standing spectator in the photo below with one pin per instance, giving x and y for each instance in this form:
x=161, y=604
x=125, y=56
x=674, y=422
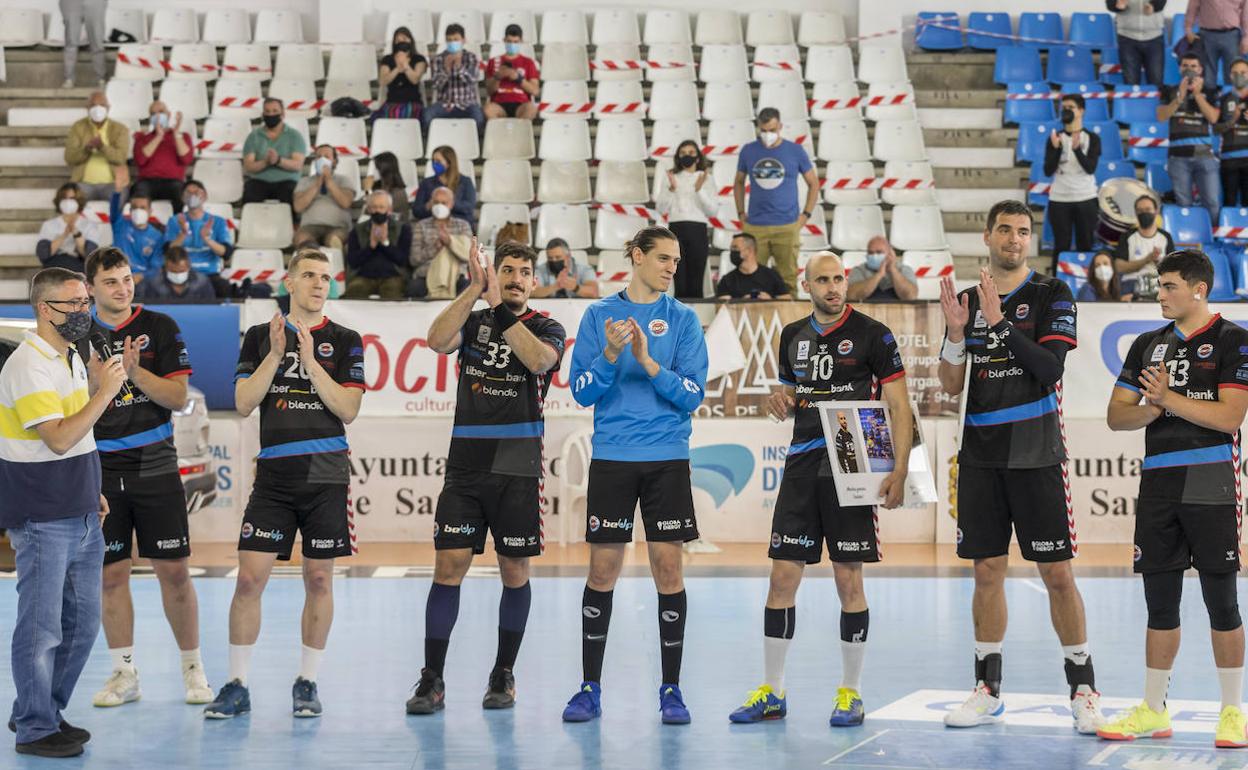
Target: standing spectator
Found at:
x=76, y=14
x=1141, y=39
x=176, y=282
x=1222, y=24
x=1233, y=126
x=434, y=240
x=386, y=176
x=138, y=236
x=445, y=163
x=206, y=237
x=96, y=149
x=52, y=507
x=1070, y=158
x=455, y=93
x=1189, y=107
x=562, y=276
x=272, y=157
x=163, y=154
x=66, y=239
x=687, y=200
x=1140, y=249
x=882, y=276
x=750, y=280
x=377, y=252
x=323, y=203
x=400, y=73
x=772, y=166
x=1103, y=284
x=511, y=80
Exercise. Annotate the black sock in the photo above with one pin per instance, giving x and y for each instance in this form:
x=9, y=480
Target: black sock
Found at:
x=988, y=671
x=1080, y=674
x=513, y=615
x=779, y=623
x=441, y=610
x=595, y=619
x=672, y=634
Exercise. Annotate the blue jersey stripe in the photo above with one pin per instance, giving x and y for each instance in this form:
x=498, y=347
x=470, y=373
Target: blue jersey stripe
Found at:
x=806, y=446
x=155, y=435
x=513, y=430
x=1015, y=413
x=1191, y=141
x=309, y=447
x=1220, y=453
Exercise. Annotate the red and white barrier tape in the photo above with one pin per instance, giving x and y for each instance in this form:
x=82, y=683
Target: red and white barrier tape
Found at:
x=238, y=101
x=609, y=108
x=930, y=271
x=636, y=64
x=731, y=225
x=162, y=64
x=1072, y=268
x=258, y=275
x=881, y=100
x=1147, y=141
x=726, y=191
x=207, y=145
x=1111, y=69
x=249, y=68
x=1039, y=188
x=664, y=150
x=1230, y=232
x=787, y=66
x=1057, y=95
x=877, y=183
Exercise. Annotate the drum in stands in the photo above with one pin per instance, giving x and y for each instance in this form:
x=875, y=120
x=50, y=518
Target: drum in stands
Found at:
x=1116, y=200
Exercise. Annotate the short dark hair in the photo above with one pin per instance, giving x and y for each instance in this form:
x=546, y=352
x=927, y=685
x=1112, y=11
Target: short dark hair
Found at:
x=513, y=30
x=141, y=189
x=1146, y=197
x=515, y=250
x=104, y=258
x=643, y=240
x=700, y=162
x=1075, y=99
x=455, y=29
x=768, y=113
x=558, y=243
x=274, y=100
x=48, y=279
x=748, y=239
x=195, y=182
x=332, y=149
x=1193, y=57
x=1238, y=61
x=1191, y=265
x=176, y=253
x=1009, y=207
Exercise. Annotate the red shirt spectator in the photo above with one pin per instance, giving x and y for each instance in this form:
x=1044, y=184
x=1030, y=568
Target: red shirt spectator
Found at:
x=509, y=90
x=162, y=154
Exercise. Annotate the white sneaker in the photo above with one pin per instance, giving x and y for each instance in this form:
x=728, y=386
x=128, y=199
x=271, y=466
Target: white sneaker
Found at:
x=979, y=709
x=68, y=83
x=121, y=688
x=1085, y=708
x=197, y=689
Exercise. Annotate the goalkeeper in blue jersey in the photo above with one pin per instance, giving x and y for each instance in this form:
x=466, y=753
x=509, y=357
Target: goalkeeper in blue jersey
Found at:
x=640, y=360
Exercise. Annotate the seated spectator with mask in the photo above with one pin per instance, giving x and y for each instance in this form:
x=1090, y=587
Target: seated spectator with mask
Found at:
x=882, y=276
x=511, y=80
x=445, y=165
x=323, y=202
x=1140, y=249
x=562, y=276
x=96, y=150
x=377, y=252
x=435, y=241
x=454, y=82
x=1103, y=284
x=66, y=239
x=749, y=280
x=272, y=157
x=139, y=237
x=206, y=237
x=162, y=155
x=176, y=281
x=385, y=175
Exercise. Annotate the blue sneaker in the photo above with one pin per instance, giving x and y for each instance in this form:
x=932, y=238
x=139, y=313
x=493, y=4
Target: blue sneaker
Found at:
x=232, y=701
x=303, y=694
x=761, y=704
x=672, y=705
x=848, y=711
x=585, y=705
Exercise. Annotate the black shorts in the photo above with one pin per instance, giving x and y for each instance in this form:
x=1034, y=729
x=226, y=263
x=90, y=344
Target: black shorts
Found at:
x=510, y=108
x=1033, y=500
x=1170, y=535
x=663, y=488
x=151, y=510
x=472, y=500
x=279, y=507
x=807, y=513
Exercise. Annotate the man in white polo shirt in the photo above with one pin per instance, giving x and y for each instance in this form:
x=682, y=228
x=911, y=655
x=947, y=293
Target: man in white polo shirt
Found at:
x=51, y=506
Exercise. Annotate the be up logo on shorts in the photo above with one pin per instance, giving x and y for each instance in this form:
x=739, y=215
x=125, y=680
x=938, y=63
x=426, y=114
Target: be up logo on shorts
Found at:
x=658, y=327
x=958, y=536
x=325, y=349
x=594, y=523
x=775, y=539
x=248, y=530
x=1137, y=554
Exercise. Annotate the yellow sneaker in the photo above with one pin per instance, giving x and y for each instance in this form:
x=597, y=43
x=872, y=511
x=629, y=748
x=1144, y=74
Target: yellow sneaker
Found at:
x=1139, y=722
x=1232, y=729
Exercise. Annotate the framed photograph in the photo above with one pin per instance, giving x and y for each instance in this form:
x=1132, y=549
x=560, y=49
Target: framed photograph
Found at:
x=861, y=451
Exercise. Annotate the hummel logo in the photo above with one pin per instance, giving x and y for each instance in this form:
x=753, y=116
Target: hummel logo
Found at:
x=667, y=643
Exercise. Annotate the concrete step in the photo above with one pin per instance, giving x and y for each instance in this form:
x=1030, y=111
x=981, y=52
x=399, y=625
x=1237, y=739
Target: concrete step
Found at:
x=20, y=226
x=962, y=70
x=971, y=244
x=976, y=176
x=956, y=201
x=970, y=157
x=18, y=243
x=32, y=156
x=28, y=198
x=950, y=118
x=14, y=289
x=978, y=137
x=40, y=177
x=45, y=116
x=959, y=98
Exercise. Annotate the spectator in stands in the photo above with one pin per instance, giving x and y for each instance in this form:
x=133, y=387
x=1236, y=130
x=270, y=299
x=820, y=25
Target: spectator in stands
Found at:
x=774, y=219
x=1141, y=29
x=1140, y=249
x=445, y=164
x=511, y=80
x=455, y=83
x=176, y=282
x=96, y=150
x=1233, y=126
x=163, y=154
x=562, y=276
x=386, y=176
x=323, y=202
x=882, y=276
x=1070, y=158
x=440, y=246
x=139, y=237
x=206, y=237
x=1103, y=284
x=377, y=251
x=750, y=280
x=687, y=199
x=1190, y=108
x=272, y=158
x=77, y=14
x=66, y=239
x=1222, y=24
x=401, y=71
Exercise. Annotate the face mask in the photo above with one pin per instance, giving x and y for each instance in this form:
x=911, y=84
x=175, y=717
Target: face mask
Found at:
x=320, y=164
x=403, y=47
x=875, y=259
x=139, y=217
x=68, y=205
x=75, y=326
x=734, y=256
x=194, y=201
x=686, y=161
x=555, y=268
x=1190, y=74
x=513, y=49
x=1240, y=81
x=1104, y=273
x=440, y=211
x=768, y=137
x=379, y=217
x=438, y=168
x=454, y=46
x=1146, y=219
x=272, y=121
x=177, y=279
x=98, y=113
x=1068, y=115
x=160, y=120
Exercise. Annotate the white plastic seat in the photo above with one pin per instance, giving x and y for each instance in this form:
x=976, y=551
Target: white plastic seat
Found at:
x=419, y=21
x=666, y=135
x=834, y=63
x=469, y=18
x=348, y=133
x=300, y=125
x=841, y=91
x=617, y=52
x=299, y=61
x=258, y=262
x=129, y=99
x=221, y=131
x=223, y=210
x=407, y=171
x=460, y=133
x=352, y=61
x=727, y=212
x=798, y=132
x=569, y=222
x=565, y=61
x=495, y=215
x=565, y=99
x=667, y=26
x=356, y=89
x=820, y=28
x=564, y=26
x=131, y=20
x=898, y=140
x=769, y=27
x=98, y=212
x=265, y=226
x=903, y=111
x=223, y=179
x=275, y=26
x=243, y=97
x=881, y=64
x=843, y=140
x=814, y=240
x=615, y=270
x=776, y=55
x=671, y=52
x=189, y=97
x=854, y=226
x=723, y=175
x=613, y=230
x=917, y=227
x=620, y=140
x=723, y=64
x=294, y=92
x=565, y=139
x=725, y=133
x=563, y=181
x=787, y=96
x=615, y=96
x=226, y=26
x=621, y=182
x=174, y=25
x=505, y=138
x=723, y=27
x=929, y=267
x=135, y=52
x=499, y=19
x=615, y=26
x=193, y=61
x=506, y=181
x=908, y=169
x=401, y=137
x=674, y=100
x=727, y=101
x=850, y=169
x=247, y=61
x=21, y=27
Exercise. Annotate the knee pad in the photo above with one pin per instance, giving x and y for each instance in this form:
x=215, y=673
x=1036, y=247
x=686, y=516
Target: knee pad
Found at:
x=1221, y=600
x=1163, y=591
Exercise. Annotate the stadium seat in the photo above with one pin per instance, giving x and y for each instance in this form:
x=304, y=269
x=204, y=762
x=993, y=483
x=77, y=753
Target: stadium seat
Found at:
x=300, y=125
x=726, y=133
x=225, y=131
x=666, y=135
x=473, y=23
x=128, y=99
x=1187, y=225
x=21, y=27
x=1070, y=64
x=849, y=169
x=908, y=169
x=1096, y=30
x=247, y=61
x=1037, y=176
x=299, y=61
x=245, y=99
x=678, y=100
x=1113, y=169
x=1038, y=29
x=564, y=99
x=722, y=27
x=555, y=220
x=854, y=226
x=174, y=25
x=355, y=89
x=1148, y=130
x=505, y=138
x=615, y=26
x=905, y=111
x=348, y=167
x=613, y=230
x=189, y=97
x=931, y=38
x=621, y=182
x=788, y=96
x=843, y=140
x=223, y=179
x=768, y=27
x=1157, y=177
x=565, y=139
x=226, y=26
x=1072, y=268
x=1031, y=140
x=929, y=267
x=898, y=140
x=839, y=92
x=1109, y=56
x=994, y=23
x=614, y=271
x=193, y=61
x=460, y=133
x=671, y=52
x=257, y=261
x=55, y=38
x=1016, y=64
x=1177, y=22
x=1224, y=286
x=827, y=63
x=274, y=27
x=722, y=101
x=1096, y=108
x=617, y=52
x=724, y=64
x=502, y=17
x=563, y=181
x=770, y=62
x=353, y=61
x=265, y=226
x=1029, y=110
x=293, y=92
x=129, y=20
x=882, y=64
x=1230, y=216
x=351, y=133
x=798, y=131
x=917, y=227
x=150, y=52
x=565, y=61
x=495, y=215
x=401, y=137
x=419, y=21
x=814, y=241
x=1135, y=110
x=617, y=95
x=1111, y=138
x=820, y=28
x=620, y=140
x=722, y=239
x=667, y=26
x=506, y=181
x=564, y=26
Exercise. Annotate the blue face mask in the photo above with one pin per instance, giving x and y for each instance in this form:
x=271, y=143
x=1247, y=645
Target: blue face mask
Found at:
x=874, y=260
x=454, y=46
x=438, y=168
x=513, y=49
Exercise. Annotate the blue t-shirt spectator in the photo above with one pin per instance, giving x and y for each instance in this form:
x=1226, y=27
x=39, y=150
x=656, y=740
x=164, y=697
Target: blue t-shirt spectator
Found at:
x=143, y=246
x=203, y=260
x=772, y=173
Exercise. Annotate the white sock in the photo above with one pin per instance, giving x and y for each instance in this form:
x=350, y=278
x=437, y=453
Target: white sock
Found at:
x=240, y=661
x=775, y=649
x=852, y=655
x=310, y=663
x=984, y=649
x=191, y=658
x=1076, y=653
x=1231, y=680
x=123, y=658
x=1156, y=682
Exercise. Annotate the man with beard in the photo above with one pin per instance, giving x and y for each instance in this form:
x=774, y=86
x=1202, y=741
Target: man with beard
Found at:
x=846, y=452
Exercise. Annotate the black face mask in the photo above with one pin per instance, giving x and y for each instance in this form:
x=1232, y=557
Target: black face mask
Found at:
x=379, y=217
x=272, y=121
x=686, y=161
x=555, y=267
x=1068, y=115
x=1146, y=219
x=403, y=47
x=735, y=257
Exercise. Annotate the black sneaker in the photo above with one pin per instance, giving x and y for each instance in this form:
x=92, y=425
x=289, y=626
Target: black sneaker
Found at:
x=77, y=733
x=430, y=694
x=502, y=690
x=57, y=744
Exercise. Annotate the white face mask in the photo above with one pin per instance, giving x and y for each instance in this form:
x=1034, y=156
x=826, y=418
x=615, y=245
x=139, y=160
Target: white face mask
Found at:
x=320, y=164
x=768, y=137
x=194, y=201
x=1104, y=273
x=440, y=211
x=139, y=217
x=178, y=279
x=98, y=113
x=68, y=205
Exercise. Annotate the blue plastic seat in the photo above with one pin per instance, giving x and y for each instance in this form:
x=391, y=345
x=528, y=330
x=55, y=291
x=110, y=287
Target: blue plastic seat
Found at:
x=1170, y=72
x=1113, y=169
x=1109, y=56
x=997, y=23
x=1046, y=234
x=1224, y=287
x=1037, y=176
x=1015, y=64
x=1096, y=30
x=1157, y=177
x=1032, y=138
x=1070, y=64
x=1075, y=264
x=935, y=38
x=1187, y=225
x=1135, y=110
x=1029, y=110
x=1111, y=140
x=1148, y=130
x=1041, y=26
x=1176, y=30
x=1233, y=217
x=1095, y=108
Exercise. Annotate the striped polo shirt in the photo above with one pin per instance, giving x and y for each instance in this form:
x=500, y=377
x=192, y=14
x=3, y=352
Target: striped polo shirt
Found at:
x=39, y=384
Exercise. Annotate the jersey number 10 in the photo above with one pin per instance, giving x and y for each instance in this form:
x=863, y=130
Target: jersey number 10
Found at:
x=821, y=366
